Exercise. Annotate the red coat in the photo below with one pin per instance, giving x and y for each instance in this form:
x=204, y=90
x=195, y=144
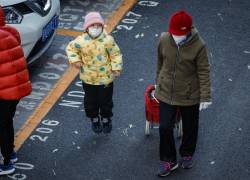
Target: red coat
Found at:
x=14, y=76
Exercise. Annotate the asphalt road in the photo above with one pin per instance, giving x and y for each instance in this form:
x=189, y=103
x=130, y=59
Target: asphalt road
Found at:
x=64, y=147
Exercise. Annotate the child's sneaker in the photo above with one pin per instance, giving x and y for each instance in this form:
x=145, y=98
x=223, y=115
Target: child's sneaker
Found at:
x=107, y=125
x=186, y=162
x=13, y=157
x=6, y=169
x=166, y=168
x=96, y=125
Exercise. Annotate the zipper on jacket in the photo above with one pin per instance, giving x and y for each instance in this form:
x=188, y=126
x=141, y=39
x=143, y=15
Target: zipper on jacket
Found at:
x=174, y=74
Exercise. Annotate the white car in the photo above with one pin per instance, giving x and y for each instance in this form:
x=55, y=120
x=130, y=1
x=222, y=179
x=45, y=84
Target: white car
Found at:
x=36, y=21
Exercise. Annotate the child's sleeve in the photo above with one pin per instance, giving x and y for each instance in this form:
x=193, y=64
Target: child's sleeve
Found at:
x=73, y=51
x=114, y=54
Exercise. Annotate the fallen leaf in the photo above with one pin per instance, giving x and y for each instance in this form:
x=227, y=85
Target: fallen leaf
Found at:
x=55, y=150
x=137, y=36
x=125, y=131
x=54, y=172
x=212, y=162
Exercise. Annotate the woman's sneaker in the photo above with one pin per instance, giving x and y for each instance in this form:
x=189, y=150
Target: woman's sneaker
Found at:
x=186, y=162
x=166, y=168
x=6, y=169
x=107, y=125
x=13, y=157
x=96, y=125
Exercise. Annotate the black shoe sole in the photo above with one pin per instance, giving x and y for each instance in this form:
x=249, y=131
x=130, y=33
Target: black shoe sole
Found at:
x=163, y=175
x=188, y=167
x=107, y=128
x=173, y=169
x=97, y=131
x=97, y=128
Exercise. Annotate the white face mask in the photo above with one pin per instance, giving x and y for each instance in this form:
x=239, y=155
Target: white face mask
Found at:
x=94, y=31
x=179, y=39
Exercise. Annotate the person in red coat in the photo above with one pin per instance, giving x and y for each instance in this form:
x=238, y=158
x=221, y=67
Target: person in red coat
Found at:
x=14, y=84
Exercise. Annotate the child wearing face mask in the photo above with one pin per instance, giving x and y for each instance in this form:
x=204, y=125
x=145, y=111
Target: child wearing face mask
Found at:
x=183, y=82
x=99, y=59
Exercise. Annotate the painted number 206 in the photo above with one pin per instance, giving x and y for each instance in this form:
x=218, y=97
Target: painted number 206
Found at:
x=44, y=130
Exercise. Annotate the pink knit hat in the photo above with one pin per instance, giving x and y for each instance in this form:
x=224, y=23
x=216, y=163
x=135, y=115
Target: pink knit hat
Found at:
x=92, y=18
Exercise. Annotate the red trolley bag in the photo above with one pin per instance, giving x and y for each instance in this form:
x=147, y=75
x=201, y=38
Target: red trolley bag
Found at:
x=152, y=112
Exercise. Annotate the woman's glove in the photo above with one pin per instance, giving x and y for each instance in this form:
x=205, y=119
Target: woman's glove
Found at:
x=204, y=105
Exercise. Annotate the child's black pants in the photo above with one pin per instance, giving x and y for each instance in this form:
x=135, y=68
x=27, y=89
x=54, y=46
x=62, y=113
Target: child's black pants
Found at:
x=98, y=100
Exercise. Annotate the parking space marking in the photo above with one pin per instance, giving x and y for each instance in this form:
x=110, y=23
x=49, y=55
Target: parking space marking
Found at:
x=111, y=22
x=49, y=101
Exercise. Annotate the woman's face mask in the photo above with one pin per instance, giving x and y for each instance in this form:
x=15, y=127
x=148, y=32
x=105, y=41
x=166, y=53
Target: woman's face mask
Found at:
x=95, y=31
x=179, y=39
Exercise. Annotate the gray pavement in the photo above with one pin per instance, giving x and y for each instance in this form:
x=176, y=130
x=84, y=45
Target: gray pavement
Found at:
x=64, y=147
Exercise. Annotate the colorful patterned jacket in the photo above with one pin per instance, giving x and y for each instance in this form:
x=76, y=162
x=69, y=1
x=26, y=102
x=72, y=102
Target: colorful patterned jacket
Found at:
x=99, y=57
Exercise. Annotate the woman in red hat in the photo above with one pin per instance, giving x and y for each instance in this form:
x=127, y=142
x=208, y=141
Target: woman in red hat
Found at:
x=14, y=84
x=183, y=82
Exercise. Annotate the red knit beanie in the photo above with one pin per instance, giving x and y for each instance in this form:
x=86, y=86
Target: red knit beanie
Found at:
x=180, y=23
